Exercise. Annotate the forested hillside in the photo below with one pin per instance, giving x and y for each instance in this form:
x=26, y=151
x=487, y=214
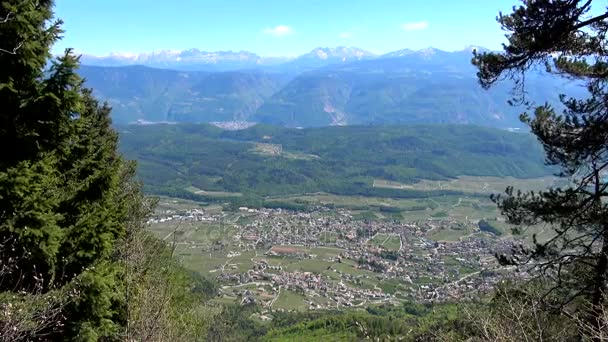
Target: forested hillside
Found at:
x=269, y=160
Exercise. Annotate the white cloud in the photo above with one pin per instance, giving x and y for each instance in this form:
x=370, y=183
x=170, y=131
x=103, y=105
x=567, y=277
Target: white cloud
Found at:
x=278, y=31
x=415, y=26
x=345, y=35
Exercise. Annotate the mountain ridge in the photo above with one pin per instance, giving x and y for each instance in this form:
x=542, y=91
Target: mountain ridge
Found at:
x=196, y=59
x=328, y=86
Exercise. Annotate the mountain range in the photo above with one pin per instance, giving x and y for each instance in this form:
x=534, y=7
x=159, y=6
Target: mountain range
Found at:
x=197, y=60
x=327, y=86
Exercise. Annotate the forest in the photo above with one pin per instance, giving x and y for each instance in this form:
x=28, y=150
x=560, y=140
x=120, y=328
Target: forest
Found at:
x=268, y=160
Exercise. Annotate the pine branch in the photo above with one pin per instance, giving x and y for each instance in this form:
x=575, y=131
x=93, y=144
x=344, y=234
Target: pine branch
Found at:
x=590, y=21
x=14, y=52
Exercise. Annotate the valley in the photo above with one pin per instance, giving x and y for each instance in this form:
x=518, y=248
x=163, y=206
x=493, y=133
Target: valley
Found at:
x=345, y=251
x=337, y=217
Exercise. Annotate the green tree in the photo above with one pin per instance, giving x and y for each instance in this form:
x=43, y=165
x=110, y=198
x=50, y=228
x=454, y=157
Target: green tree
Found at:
x=563, y=37
x=64, y=199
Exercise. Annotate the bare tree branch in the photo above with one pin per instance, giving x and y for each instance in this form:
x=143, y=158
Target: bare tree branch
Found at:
x=14, y=52
x=7, y=18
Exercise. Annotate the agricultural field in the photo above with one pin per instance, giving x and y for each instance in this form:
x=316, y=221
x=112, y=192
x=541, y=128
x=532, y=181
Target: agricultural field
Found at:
x=389, y=241
x=456, y=207
x=472, y=184
x=198, y=191
x=266, y=149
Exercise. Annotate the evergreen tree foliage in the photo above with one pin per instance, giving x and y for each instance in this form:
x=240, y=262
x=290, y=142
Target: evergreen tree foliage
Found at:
x=565, y=38
x=65, y=192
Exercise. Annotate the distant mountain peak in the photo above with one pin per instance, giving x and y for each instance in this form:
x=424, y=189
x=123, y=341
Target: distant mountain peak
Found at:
x=471, y=48
x=339, y=52
x=197, y=59
x=429, y=51
x=320, y=52
x=188, y=59
x=399, y=53
x=426, y=52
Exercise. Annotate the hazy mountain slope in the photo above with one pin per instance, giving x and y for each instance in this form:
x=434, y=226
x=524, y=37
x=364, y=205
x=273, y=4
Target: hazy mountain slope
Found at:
x=313, y=99
x=320, y=57
x=353, y=87
x=142, y=93
x=226, y=96
x=190, y=60
x=429, y=86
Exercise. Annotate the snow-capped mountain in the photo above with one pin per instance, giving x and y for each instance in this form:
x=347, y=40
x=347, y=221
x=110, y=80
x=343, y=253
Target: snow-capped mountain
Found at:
x=195, y=59
x=340, y=53
x=323, y=56
x=191, y=59
x=398, y=53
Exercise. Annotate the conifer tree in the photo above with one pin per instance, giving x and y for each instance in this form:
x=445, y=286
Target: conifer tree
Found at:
x=63, y=205
x=566, y=38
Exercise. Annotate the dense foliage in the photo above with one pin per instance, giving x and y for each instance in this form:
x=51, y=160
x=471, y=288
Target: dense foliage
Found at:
x=407, y=322
x=565, y=38
x=340, y=160
x=63, y=208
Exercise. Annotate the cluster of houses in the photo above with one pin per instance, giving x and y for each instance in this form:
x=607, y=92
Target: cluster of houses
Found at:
x=424, y=268
x=272, y=279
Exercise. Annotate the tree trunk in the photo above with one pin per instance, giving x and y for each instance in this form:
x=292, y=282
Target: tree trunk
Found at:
x=599, y=287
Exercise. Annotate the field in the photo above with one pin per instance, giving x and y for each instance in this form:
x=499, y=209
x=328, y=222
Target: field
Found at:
x=472, y=203
x=457, y=207
x=289, y=300
x=471, y=184
x=266, y=149
x=388, y=241
x=198, y=191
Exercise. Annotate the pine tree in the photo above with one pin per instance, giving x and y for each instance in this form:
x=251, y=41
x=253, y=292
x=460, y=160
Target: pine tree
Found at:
x=562, y=37
x=63, y=204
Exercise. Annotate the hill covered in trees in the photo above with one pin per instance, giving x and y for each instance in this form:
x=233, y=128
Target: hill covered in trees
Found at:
x=269, y=160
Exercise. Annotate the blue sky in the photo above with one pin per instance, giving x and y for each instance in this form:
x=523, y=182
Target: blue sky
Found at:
x=277, y=28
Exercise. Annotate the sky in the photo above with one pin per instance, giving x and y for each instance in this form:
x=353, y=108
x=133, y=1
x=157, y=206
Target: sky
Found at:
x=277, y=27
